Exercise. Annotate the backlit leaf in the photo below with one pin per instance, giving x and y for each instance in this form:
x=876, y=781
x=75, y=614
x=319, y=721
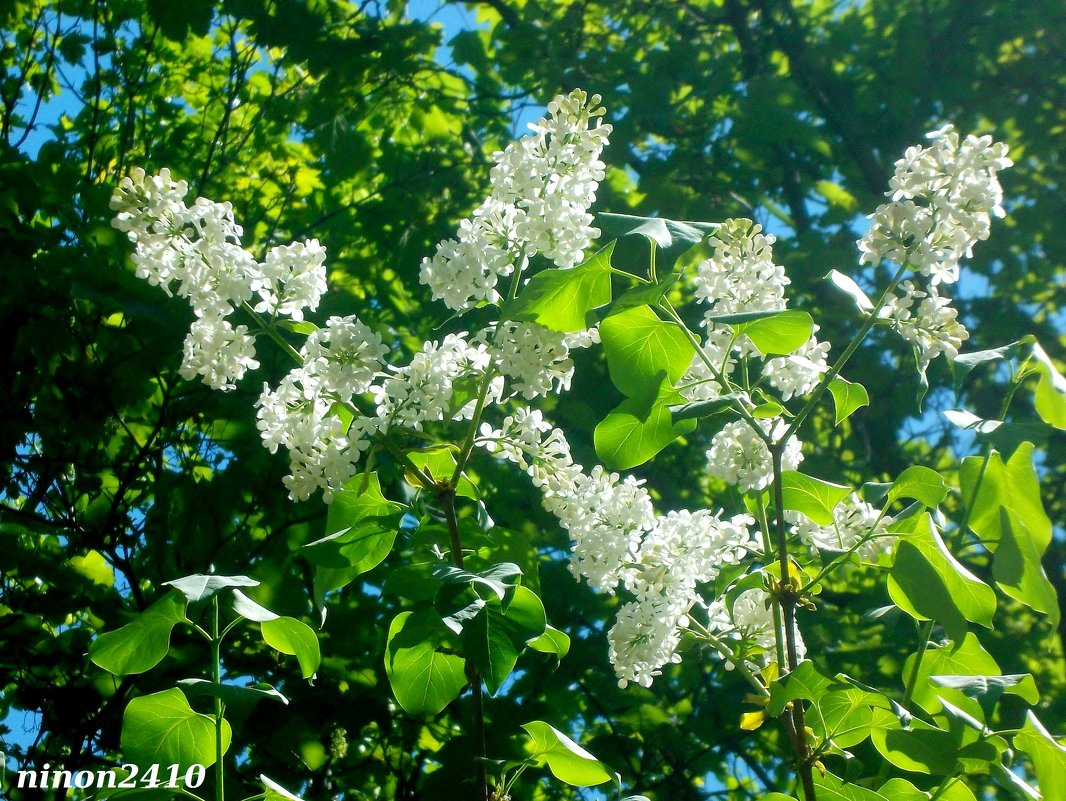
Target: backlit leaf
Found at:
x=567, y=760
x=141, y=644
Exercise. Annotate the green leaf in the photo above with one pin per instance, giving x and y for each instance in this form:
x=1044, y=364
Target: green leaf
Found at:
x=298, y=326
x=275, y=792
x=1047, y=755
x=1017, y=568
x=920, y=483
x=561, y=300
x=645, y=294
x=847, y=398
x=837, y=195
x=1011, y=781
x=704, y=408
x=162, y=729
x=361, y=528
x=811, y=496
x=805, y=682
x=963, y=364
x=360, y=548
x=902, y=790
x=927, y=595
x=639, y=427
x=673, y=237
x=414, y=582
x=201, y=588
x=552, y=641
x=495, y=636
x=853, y=290
x=920, y=749
x=249, y=609
x=1004, y=437
x=439, y=462
x=778, y=334
x=295, y=638
x=967, y=658
x=1050, y=396
x=423, y=679
x=830, y=788
x=847, y=717
x=919, y=589
x=328, y=579
x=955, y=790
x=177, y=20
x=360, y=499
x=231, y=694
x=768, y=410
x=141, y=644
x=567, y=760
x=987, y=690
x=94, y=567
x=640, y=348
x=500, y=579
x=1008, y=515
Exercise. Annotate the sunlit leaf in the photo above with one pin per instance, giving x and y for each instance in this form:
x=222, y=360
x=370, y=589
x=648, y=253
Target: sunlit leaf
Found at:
x=561, y=300
x=847, y=398
x=141, y=644
x=811, y=496
x=162, y=729
x=567, y=760
x=293, y=637
x=423, y=679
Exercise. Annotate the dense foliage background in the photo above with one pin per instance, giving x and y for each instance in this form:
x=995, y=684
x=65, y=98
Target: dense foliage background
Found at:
x=370, y=127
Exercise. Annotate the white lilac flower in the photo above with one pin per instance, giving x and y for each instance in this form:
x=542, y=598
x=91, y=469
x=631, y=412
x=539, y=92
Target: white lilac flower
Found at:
x=931, y=325
x=854, y=520
x=561, y=159
x=293, y=278
x=685, y=549
x=942, y=199
x=218, y=352
x=798, y=373
x=422, y=391
x=579, y=340
x=605, y=516
x=149, y=206
x=681, y=551
x=557, y=229
x=217, y=276
x=466, y=271
x=193, y=252
x=328, y=464
x=542, y=188
x=324, y=453
x=749, y=624
x=739, y=456
x=643, y=639
x=535, y=360
x=345, y=356
x=618, y=540
x=531, y=442
x=741, y=275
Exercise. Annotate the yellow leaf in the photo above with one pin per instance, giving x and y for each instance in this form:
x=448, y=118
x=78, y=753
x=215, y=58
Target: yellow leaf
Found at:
x=750, y=721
